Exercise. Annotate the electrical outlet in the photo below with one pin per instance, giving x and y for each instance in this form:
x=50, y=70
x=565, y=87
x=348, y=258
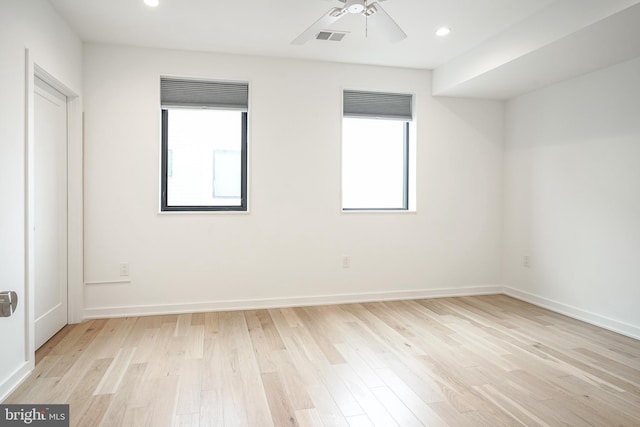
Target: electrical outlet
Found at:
x=124, y=269
x=346, y=261
x=526, y=261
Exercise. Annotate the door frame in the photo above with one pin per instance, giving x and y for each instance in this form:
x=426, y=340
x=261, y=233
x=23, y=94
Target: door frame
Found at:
x=75, y=227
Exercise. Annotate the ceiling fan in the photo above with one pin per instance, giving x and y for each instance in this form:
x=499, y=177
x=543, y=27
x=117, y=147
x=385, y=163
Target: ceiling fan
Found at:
x=375, y=14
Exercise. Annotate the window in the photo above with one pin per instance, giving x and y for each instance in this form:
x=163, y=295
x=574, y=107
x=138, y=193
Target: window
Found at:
x=204, y=145
x=376, y=151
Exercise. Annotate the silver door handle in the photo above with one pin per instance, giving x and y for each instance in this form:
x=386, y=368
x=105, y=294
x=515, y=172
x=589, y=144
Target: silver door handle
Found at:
x=8, y=303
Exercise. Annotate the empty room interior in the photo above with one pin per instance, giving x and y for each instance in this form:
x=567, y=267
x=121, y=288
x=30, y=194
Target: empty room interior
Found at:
x=320, y=212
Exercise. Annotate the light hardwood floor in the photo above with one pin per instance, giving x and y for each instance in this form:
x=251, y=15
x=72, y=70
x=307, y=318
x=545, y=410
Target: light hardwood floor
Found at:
x=488, y=360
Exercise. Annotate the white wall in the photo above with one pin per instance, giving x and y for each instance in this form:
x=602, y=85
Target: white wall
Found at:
x=572, y=197
x=289, y=247
x=34, y=25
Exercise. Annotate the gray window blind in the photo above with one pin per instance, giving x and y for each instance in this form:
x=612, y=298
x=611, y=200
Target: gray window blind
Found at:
x=377, y=105
x=201, y=93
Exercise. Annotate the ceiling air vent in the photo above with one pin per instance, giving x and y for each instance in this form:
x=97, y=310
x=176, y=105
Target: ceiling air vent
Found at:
x=335, y=36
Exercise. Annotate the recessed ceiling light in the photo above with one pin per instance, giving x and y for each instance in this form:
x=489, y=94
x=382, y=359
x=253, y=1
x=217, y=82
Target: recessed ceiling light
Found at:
x=152, y=3
x=443, y=31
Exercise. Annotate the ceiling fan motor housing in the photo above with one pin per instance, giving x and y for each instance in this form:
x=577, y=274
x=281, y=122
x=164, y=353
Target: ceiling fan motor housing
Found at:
x=355, y=6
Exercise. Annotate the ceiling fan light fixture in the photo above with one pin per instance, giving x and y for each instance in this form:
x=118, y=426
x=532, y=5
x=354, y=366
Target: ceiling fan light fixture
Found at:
x=152, y=3
x=443, y=31
x=355, y=6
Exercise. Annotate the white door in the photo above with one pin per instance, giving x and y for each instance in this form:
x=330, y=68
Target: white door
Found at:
x=50, y=211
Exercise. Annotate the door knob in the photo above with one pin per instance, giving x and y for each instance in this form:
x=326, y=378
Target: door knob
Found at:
x=8, y=303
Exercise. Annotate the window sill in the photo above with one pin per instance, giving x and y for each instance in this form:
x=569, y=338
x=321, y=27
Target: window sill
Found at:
x=378, y=211
x=169, y=213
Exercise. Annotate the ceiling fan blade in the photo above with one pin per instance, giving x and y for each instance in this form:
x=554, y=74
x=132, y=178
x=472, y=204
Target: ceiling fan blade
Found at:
x=326, y=20
x=380, y=18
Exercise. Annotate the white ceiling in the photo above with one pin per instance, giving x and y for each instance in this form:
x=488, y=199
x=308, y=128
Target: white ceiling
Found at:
x=483, y=30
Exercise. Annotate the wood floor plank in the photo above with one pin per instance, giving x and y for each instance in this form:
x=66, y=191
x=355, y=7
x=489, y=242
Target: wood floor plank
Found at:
x=146, y=345
x=368, y=346
x=253, y=391
x=318, y=332
x=117, y=410
x=359, y=421
x=624, y=403
x=338, y=391
x=282, y=412
x=449, y=414
x=54, y=341
x=309, y=418
x=608, y=365
x=112, y=378
x=411, y=400
x=519, y=413
x=73, y=346
x=211, y=365
x=211, y=408
x=366, y=373
x=423, y=385
x=261, y=345
x=471, y=361
x=293, y=382
x=190, y=387
x=93, y=415
x=34, y=391
x=182, y=325
x=187, y=420
x=195, y=342
x=79, y=336
x=137, y=417
x=87, y=365
x=111, y=337
x=398, y=410
x=87, y=386
x=367, y=400
x=198, y=319
x=327, y=410
x=164, y=402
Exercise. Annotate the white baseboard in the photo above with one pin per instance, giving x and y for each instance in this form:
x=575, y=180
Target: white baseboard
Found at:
x=14, y=380
x=575, y=312
x=300, y=301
